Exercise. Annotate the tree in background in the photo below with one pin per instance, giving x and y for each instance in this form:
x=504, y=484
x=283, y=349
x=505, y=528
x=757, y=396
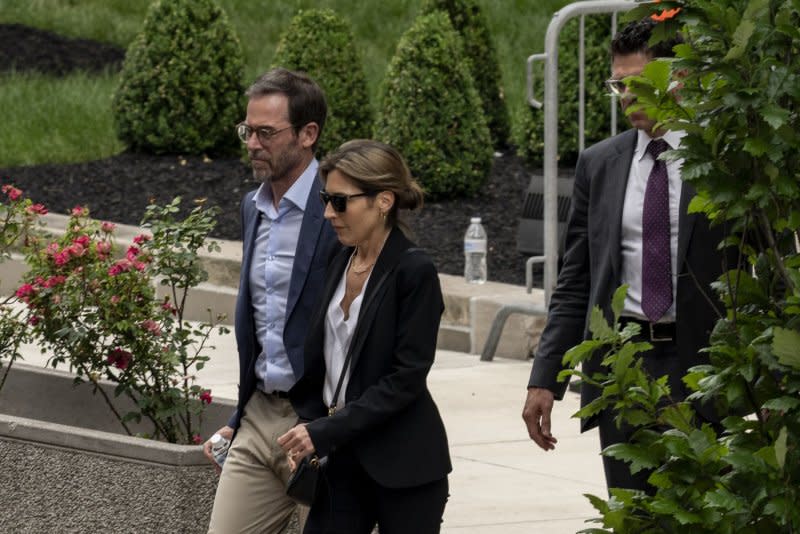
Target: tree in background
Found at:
x=431, y=111
x=597, y=118
x=321, y=43
x=181, y=84
x=470, y=22
x=739, y=103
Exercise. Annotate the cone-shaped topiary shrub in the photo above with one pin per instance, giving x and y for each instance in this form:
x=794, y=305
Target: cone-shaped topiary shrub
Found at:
x=321, y=43
x=181, y=84
x=597, y=30
x=431, y=111
x=470, y=22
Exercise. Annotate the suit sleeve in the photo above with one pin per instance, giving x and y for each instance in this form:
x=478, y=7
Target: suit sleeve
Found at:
x=568, y=305
x=419, y=310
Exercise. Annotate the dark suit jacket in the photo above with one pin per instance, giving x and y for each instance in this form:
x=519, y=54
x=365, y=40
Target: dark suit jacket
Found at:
x=390, y=420
x=315, y=246
x=591, y=270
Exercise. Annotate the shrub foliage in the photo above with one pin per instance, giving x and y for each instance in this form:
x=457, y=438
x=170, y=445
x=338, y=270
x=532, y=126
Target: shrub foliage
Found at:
x=470, y=22
x=597, y=120
x=431, y=111
x=321, y=43
x=738, y=104
x=181, y=83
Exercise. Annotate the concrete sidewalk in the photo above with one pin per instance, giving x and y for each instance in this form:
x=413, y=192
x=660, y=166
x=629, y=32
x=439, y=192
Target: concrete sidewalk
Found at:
x=501, y=482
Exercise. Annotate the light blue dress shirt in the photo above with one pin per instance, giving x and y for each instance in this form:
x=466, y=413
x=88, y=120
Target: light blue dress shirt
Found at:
x=271, y=274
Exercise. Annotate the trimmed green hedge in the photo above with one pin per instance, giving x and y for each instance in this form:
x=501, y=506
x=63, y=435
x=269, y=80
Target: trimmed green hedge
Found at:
x=321, y=43
x=431, y=111
x=598, y=105
x=470, y=22
x=181, y=84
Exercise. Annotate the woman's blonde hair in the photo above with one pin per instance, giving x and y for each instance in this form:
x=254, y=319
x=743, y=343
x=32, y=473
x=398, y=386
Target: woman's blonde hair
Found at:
x=374, y=166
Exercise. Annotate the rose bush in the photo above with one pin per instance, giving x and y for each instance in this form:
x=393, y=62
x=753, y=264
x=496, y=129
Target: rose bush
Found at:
x=96, y=308
x=18, y=217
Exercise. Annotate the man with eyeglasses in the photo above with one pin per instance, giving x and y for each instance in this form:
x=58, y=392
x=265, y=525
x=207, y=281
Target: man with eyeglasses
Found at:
x=286, y=246
x=629, y=225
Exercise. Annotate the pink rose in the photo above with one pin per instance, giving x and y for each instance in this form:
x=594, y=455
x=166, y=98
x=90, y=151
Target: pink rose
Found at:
x=205, y=396
x=197, y=439
x=107, y=227
x=82, y=240
x=141, y=238
x=52, y=249
x=36, y=209
x=12, y=192
x=119, y=358
x=62, y=258
x=25, y=292
x=115, y=299
x=79, y=211
x=132, y=252
x=103, y=249
x=120, y=266
x=151, y=326
x=33, y=320
x=54, y=281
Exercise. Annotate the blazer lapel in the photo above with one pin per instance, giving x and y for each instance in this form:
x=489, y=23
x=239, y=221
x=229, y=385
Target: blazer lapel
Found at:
x=686, y=222
x=618, y=168
x=310, y=230
x=395, y=246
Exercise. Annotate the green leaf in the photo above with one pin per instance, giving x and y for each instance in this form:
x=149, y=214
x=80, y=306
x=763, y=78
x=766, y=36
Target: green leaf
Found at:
x=599, y=327
x=782, y=404
x=775, y=115
x=780, y=448
x=786, y=347
x=618, y=301
x=638, y=456
x=582, y=352
x=740, y=39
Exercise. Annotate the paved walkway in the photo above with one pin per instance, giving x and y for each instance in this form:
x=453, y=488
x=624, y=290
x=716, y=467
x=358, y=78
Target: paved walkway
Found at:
x=501, y=482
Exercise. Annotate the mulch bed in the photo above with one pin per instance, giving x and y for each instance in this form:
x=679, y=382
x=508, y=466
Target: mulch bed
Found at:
x=119, y=188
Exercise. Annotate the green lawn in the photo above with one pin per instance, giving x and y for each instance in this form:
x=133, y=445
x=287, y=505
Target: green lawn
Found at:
x=518, y=28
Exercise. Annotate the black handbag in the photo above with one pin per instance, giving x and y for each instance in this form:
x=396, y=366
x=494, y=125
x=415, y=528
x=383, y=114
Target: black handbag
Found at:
x=305, y=479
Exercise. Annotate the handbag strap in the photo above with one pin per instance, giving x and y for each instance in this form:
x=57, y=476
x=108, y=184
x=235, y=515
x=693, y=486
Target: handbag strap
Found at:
x=349, y=356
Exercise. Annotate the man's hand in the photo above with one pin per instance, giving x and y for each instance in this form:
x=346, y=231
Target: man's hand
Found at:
x=227, y=433
x=536, y=414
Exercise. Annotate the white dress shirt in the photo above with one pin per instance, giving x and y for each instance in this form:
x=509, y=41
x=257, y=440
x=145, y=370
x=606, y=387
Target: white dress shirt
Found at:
x=338, y=336
x=631, y=232
x=271, y=273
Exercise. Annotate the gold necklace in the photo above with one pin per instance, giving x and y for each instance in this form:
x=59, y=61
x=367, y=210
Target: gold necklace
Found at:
x=364, y=268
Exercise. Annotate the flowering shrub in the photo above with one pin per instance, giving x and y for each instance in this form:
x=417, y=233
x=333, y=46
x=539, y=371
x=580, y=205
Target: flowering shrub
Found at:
x=98, y=312
x=17, y=219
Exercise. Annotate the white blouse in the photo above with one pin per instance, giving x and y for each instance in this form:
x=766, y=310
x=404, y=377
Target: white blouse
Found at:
x=338, y=335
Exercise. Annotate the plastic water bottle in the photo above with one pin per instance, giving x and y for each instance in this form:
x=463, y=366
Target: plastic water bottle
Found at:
x=219, y=448
x=475, y=252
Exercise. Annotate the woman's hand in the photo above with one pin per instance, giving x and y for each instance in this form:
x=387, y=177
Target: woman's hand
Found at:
x=297, y=444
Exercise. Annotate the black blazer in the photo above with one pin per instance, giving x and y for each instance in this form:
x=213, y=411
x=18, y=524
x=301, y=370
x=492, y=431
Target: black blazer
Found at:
x=390, y=420
x=591, y=270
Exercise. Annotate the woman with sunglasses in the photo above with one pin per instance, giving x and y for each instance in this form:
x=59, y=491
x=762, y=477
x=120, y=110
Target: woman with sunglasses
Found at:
x=368, y=351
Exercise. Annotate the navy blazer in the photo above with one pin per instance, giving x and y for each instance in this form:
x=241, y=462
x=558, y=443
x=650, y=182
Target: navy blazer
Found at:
x=390, y=420
x=315, y=247
x=591, y=271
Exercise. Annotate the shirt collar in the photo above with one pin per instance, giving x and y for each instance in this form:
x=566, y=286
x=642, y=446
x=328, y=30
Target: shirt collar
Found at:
x=297, y=193
x=673, y=137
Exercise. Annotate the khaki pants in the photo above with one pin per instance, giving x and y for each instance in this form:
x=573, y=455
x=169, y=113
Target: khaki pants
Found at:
x=251, y=491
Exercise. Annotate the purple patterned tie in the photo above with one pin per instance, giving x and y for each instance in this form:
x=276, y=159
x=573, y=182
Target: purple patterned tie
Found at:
x=656, y=251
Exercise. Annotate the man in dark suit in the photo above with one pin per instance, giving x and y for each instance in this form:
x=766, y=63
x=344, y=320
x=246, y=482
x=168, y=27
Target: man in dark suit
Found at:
x=286, y=246
x=629, y=225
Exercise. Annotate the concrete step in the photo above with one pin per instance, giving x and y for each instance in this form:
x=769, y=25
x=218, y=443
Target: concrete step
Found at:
x=470, y=309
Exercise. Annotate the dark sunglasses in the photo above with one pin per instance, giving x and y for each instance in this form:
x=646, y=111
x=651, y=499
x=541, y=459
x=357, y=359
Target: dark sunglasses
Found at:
x=339, y=201
x=615, y=87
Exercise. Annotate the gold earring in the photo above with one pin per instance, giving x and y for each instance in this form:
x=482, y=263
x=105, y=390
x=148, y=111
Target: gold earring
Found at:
x=383, y=214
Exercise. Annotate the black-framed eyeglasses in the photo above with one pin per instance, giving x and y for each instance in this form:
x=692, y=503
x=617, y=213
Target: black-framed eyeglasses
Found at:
x=263, y=133
x=615, y=87
x=339, y=201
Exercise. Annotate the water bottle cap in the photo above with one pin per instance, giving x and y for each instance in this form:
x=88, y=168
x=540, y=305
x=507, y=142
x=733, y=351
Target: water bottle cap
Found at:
x=215, y=439
x=476, y=220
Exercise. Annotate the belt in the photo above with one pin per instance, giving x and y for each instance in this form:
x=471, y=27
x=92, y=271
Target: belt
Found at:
x=276, y=393
x=653, y=332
